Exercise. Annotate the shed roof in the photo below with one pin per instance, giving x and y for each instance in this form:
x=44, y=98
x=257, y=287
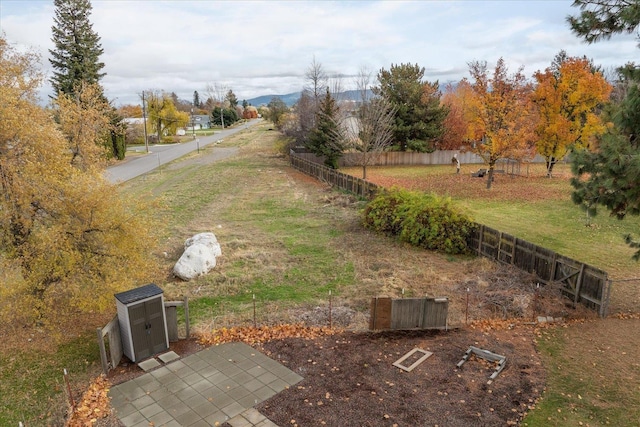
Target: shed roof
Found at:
x=138, y=294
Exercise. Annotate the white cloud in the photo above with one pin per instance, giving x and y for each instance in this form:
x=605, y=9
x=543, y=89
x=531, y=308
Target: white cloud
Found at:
x=264, y=47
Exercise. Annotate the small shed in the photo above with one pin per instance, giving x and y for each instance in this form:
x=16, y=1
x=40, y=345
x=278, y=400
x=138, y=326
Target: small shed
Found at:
x=143, y=324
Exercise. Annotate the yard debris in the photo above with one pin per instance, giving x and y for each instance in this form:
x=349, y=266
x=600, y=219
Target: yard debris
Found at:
x=94, y=405
x=256, y=335
x=425, y=356
x=487, y=355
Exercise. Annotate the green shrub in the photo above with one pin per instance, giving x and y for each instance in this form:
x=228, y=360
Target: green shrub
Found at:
x=424, y=220
x=384, y=213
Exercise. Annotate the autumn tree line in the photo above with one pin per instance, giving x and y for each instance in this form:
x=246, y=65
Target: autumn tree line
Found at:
x=494, y=113
x=69, y=240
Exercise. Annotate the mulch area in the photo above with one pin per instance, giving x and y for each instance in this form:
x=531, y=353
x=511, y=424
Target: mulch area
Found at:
x=349, y=380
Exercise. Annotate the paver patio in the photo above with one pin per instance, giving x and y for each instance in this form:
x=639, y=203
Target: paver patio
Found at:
x=208, y=388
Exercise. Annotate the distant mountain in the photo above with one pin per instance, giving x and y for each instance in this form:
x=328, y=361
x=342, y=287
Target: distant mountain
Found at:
x=291, y=98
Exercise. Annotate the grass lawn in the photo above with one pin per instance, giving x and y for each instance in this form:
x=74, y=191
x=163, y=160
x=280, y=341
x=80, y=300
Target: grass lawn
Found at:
x=32, y=387
x=534, y=208
x=597, y=385
x=289, y=240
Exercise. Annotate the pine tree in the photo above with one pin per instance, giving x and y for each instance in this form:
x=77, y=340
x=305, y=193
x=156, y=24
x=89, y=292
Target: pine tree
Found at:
x=419, y=119
x=196, y=99
x=324, y=139
x=76, y=57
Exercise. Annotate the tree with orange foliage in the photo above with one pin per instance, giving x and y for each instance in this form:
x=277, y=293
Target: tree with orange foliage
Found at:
x=130, y=111
x=459, y=100
x=567, y=99
x=503, y=117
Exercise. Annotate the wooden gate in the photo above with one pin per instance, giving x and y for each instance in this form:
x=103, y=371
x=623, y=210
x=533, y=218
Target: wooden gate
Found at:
x=408, y=313
x=581, y=282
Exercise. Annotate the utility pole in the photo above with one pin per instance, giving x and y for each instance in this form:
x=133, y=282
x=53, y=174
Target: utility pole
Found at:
x=144, y=124
x=193, y=125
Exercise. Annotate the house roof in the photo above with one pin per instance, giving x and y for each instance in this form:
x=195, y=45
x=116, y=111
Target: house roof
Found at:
x=137, y=294
x=133, y=120
x=201, y=118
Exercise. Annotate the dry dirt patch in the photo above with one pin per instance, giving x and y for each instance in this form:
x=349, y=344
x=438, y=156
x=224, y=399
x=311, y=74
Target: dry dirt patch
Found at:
x=350, y=380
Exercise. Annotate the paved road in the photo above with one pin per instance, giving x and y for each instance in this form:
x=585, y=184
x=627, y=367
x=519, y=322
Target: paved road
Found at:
x=161, y=154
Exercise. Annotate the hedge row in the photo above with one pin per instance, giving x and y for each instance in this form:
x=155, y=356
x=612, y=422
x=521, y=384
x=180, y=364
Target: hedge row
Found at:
x=424, y=220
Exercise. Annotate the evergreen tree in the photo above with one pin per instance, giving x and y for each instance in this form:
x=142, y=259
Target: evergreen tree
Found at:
x=232, y=99
x=324, y=139
x=230, y=116
x=600, y=19
x=76, y=56
x=419, y=114
x=196, y=99
x=610, y=176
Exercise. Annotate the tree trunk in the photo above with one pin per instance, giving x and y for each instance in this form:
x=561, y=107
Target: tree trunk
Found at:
x=550, y=162
x=490, y=176
x=364, y=171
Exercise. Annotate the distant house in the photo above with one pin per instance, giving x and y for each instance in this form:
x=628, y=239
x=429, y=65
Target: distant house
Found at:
x=199, y=121
x=133, y=120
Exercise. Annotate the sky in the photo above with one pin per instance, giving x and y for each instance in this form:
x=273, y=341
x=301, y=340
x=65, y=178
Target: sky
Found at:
x=258, y=48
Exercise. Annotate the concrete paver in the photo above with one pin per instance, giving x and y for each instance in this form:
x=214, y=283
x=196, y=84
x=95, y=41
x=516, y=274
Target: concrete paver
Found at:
x=216, y=385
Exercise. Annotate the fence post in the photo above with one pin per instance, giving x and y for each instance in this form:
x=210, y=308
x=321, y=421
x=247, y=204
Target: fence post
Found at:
x=103, y=351
x=466, y=310
x=576, y=297
x=604, y=303
x=535, y=301
x=186, y=315
x=375, y=312
x=66, y=380
x=254, y=311
x=330, y=320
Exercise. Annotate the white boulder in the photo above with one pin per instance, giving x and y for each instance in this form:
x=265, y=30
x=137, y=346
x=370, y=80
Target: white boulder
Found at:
x=199, y=257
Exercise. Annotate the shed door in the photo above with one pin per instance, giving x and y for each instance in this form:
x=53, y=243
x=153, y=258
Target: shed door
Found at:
x=139, y=331
x=157, y=333
x=147, y=328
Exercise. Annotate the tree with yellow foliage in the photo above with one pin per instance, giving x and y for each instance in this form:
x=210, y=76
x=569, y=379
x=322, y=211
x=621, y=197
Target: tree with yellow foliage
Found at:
x=164, y=117
x=84, y=119
x=503, y=117
x=69, y=232
x=567, y=98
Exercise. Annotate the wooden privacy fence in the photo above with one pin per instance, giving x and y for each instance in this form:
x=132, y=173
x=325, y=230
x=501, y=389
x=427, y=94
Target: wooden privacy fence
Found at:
x=408, y=313
x=333, y=177
x=170, y=309
x=112, y=332
x=581, y=282
x=393, y=158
